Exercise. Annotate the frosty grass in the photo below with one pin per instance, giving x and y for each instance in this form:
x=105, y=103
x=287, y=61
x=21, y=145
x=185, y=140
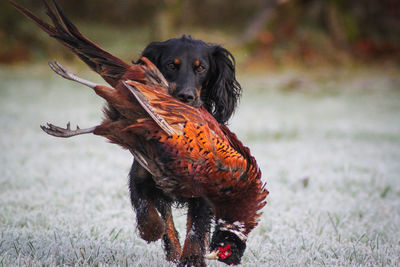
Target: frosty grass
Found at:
x=328, y=145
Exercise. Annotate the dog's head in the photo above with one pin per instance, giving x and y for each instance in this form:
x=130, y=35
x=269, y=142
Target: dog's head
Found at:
x=198, y=73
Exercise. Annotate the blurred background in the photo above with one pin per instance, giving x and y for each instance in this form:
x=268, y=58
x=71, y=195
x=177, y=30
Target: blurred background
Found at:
x=320, y=112
x=260, y=33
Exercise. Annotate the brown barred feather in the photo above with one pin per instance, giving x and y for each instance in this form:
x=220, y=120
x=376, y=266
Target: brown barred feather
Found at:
x=111, y=68
x=187, y=151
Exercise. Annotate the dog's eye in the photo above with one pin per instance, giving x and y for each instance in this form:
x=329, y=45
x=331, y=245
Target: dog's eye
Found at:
x=200, y=69
x=171, y=66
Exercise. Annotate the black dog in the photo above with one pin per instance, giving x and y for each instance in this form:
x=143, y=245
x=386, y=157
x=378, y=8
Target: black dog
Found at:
x=199, y=74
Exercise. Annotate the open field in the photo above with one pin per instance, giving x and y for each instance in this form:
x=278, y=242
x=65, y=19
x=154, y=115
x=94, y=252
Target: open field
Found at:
x=328, y=145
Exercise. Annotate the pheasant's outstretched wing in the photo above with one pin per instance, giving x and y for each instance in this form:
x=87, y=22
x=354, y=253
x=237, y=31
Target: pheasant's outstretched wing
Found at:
x=111, y=68
x=169, y=113
x=152, y=111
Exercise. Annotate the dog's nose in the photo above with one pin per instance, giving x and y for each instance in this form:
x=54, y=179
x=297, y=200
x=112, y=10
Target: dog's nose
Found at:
x=186, y=96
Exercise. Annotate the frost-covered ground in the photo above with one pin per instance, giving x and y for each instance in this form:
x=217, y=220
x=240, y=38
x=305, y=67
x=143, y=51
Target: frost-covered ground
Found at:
x=328, y=145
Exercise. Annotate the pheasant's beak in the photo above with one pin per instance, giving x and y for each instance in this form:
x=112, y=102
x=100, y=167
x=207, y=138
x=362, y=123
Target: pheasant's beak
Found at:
x=212, y=255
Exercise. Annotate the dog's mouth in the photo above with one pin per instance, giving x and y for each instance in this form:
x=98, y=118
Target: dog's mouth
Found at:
x=190, y=97
x=194, y=103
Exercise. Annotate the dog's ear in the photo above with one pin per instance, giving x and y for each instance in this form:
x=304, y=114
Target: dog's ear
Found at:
x=153, y=52
x=222, y=91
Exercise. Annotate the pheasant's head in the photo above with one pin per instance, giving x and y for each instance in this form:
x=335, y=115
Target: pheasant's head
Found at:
x=228, y=243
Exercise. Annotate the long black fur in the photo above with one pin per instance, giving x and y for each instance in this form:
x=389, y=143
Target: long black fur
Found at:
x=220, y=92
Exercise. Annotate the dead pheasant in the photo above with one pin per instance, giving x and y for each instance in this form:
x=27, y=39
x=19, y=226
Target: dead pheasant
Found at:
x=187, y=152
x=185, y=149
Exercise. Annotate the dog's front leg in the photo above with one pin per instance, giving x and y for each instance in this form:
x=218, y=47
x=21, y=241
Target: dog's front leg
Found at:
x=197, y=232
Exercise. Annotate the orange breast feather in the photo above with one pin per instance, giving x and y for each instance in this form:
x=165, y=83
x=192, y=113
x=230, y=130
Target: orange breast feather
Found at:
x=186, y=150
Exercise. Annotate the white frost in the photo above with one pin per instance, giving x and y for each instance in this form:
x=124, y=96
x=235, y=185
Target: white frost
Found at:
x=66, y=202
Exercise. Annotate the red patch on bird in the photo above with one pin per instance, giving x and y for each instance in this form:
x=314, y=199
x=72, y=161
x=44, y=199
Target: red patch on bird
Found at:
x=224, y=252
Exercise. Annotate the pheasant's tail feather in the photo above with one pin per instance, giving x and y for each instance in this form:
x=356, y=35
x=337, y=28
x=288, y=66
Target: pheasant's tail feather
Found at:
x=108, y=66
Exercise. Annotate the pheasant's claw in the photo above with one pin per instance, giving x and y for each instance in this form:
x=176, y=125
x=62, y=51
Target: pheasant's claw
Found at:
x=54, y=130
x=64, y=132
x=65, y=73
x=61, y=66
x=61, y=70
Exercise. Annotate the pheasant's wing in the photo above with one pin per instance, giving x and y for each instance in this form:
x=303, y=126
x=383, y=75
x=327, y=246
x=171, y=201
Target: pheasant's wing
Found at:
x=170, y=114
x=111, y=68
x=144, y=102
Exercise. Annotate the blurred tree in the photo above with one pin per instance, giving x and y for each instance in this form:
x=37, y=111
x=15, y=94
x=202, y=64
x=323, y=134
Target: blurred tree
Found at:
x=258, y=22
x=298, y=28
x=311, y=30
